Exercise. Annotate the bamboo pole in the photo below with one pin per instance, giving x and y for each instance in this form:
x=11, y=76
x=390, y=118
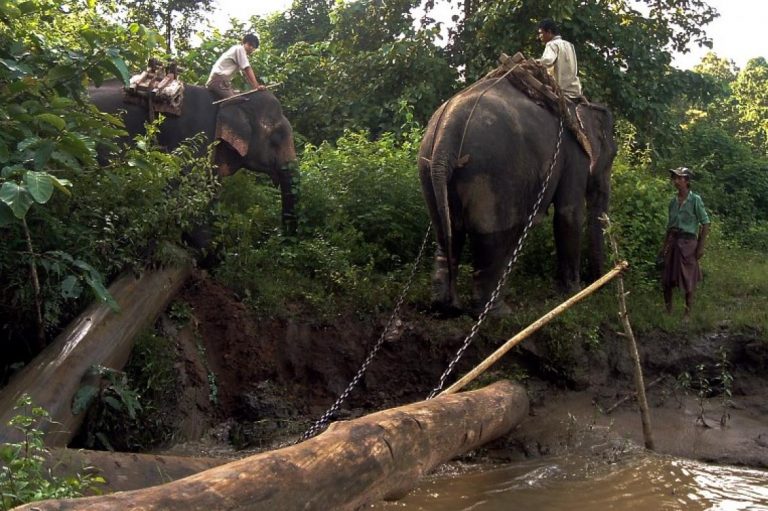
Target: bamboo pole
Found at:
x=247, y=93
x=645, y=415
x=514, y=341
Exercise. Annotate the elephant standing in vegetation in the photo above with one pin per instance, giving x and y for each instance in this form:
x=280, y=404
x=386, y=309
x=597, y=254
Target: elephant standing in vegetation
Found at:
x=252, y=132
x=482, y=162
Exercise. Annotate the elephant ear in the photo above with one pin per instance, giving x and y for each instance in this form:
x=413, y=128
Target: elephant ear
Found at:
x=232, y=127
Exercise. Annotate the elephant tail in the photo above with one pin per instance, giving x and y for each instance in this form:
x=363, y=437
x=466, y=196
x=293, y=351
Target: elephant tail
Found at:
x=438, y=163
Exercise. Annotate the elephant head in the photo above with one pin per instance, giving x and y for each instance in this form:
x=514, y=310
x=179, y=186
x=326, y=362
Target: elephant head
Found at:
x=253, y=133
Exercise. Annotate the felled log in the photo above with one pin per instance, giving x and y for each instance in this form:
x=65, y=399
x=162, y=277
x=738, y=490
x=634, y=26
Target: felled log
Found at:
x=354, y=463
x=99, y=336
x=126, y=471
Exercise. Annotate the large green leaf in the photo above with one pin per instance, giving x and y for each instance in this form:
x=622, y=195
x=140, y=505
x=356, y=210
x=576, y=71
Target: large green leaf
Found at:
x=17, y=198
x=43, y=153
x=60, y=72
x=51, y=119
x=119, y=69
x=39, y=185
x=70, y=287
x=83, y=398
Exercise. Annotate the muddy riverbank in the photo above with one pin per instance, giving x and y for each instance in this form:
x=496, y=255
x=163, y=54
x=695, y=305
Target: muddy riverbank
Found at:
x=273, y=378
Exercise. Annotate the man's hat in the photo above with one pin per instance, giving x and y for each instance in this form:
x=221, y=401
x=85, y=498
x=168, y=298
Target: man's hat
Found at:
x=682, y=172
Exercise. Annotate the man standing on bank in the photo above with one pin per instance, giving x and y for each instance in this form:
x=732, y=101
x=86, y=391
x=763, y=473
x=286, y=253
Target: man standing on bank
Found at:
x=231, y=61
x=559, y=58
x=687, y=231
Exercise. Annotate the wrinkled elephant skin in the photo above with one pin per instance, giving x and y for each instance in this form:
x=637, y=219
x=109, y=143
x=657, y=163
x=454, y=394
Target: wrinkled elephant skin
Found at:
x=486, y=193
x=252, y=132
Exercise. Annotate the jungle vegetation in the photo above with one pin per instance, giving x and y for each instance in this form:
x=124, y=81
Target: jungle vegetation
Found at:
x=358, y=80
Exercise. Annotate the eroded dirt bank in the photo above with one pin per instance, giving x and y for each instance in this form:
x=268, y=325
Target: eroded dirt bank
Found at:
x=272, y=379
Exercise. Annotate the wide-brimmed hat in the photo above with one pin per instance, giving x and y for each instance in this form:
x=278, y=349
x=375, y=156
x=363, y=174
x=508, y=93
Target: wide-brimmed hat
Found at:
x=682, y=172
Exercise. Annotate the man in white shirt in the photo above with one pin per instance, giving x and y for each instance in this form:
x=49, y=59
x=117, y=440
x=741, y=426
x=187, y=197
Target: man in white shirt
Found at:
x=231, y=61
x=560, y=59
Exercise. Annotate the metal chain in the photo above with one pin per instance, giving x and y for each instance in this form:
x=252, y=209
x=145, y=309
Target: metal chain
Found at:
x=323, y=421
x=510, y=263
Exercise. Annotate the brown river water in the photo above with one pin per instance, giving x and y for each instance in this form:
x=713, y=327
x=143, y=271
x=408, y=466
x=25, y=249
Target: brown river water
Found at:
x=638, y=482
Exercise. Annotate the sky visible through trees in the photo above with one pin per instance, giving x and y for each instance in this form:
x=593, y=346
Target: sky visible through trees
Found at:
x=733, y=38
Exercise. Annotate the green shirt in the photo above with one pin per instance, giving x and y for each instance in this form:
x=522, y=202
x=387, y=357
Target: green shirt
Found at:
x=689, y=215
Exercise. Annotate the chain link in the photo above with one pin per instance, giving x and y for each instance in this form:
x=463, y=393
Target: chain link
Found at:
x=510, y=264
x=322, y=422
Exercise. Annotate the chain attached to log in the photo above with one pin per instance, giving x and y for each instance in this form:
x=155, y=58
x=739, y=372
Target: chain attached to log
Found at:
x=510, y=264
x=322, y=422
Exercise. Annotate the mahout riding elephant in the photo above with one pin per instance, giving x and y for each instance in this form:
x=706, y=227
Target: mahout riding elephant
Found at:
x=252, y=130
x=483, y=161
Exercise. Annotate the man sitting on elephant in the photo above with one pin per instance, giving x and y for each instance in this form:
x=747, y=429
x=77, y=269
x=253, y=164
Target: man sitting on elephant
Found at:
x=233, y=60
x=560, y=59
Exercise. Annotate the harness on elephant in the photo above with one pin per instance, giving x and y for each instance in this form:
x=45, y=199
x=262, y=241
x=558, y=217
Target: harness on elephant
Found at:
x=533, y=80
x=157, y=88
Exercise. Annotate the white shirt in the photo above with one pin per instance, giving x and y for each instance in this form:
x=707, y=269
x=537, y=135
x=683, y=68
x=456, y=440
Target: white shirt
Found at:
x=560, y=60
x=231, y=61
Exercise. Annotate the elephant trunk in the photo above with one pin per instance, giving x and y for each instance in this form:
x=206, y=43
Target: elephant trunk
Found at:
x=440, y=174
x=288, y=180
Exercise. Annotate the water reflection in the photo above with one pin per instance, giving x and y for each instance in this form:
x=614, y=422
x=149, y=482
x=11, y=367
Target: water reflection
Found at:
x=640, y=483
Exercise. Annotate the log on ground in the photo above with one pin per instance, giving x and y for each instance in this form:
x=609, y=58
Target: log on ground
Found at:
x=126, y=471
x=354, y=463
x=99, y=336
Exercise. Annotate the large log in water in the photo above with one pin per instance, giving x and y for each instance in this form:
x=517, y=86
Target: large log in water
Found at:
x=354, y=463
x=99, y=336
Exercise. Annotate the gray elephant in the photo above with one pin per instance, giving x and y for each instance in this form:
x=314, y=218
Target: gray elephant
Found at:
x=482, y=162
x=253, y=132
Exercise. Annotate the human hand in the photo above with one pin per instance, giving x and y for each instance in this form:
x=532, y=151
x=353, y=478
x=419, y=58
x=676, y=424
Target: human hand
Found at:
x=699, y=253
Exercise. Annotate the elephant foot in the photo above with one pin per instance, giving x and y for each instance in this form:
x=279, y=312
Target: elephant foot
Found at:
x=446, y=310
x=569, y=288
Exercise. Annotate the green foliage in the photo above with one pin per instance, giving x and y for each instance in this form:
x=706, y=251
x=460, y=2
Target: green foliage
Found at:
x=110, y=400
x=175, y=19
x=24, y=476
x=624, y=55
x=360, y=217
x=751, y=92
x=639, y=205
x=128, y=411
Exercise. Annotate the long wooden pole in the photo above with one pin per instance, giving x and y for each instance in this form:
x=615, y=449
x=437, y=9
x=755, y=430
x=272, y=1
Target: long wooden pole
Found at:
x=246, y=93
x=645, y=415
x=514, y=341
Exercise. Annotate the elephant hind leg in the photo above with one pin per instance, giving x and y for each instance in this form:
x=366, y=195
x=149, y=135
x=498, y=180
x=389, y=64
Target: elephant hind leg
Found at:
x=445, y=296
x=489, y=256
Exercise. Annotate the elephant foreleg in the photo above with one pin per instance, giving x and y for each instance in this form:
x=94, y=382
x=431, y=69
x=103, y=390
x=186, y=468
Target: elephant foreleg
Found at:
x=489, y=257
x=597, y=204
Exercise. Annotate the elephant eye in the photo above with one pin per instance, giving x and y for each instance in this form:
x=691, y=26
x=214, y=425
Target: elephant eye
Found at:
x=277, y=136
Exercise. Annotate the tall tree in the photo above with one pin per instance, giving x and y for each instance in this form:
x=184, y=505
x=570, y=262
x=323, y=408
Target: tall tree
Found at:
x=750, y=89
x=624, y=54
x=175, y=19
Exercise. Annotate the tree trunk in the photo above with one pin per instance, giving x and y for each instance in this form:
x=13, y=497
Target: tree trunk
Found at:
x=98, y=336
x=126, y=471
x=352, y=464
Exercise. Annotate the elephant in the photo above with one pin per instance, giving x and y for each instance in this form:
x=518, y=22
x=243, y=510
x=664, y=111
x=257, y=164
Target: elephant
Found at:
x=252, y=130
x=482, y=163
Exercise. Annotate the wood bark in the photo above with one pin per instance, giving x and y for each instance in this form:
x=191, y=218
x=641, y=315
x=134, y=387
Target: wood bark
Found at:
x=352, y=464
x=126, y=471
x=99, y=336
